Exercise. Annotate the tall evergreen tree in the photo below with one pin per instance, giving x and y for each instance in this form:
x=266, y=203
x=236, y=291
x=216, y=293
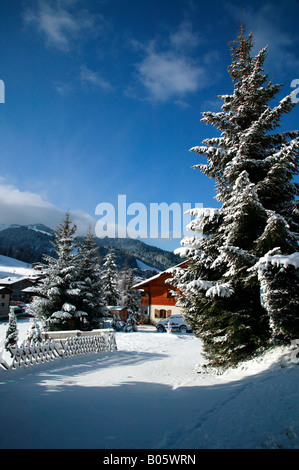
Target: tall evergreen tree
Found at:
x=89, y=280
x=253, y=168
x=128, y=296
x=110, y=280
x=57, y=302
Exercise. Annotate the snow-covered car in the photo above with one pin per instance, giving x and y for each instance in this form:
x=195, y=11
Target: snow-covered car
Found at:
x=174, y=323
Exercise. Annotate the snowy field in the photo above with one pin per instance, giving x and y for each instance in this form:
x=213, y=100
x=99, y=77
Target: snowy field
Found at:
x=149, y=395
x=12, y=267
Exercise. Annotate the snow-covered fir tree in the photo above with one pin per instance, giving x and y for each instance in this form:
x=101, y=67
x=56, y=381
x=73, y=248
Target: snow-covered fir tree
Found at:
x=89, y=282
x=34, y=335
x=129, y=297
x=12, y=333
x=117, y=324
x=131, y=324
x=111, y=293
x=253, y=168
x=279, y=279
x=58, y=301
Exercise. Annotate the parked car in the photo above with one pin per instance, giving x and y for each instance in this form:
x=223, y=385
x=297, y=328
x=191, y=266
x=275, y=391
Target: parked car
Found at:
x=18, y=307
x=174, y=323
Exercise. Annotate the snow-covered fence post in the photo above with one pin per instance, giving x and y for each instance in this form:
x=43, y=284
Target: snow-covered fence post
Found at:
x=111, y=341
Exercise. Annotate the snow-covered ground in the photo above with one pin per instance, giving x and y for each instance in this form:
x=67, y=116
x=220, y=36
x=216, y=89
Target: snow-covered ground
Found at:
x=149, y=395
x=13, y=267
x=145, y=267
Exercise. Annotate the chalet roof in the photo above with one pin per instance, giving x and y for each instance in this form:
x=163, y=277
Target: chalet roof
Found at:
x=30, y=289
x=5, y=289
x=167, y=272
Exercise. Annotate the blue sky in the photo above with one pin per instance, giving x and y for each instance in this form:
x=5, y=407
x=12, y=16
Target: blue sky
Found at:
x=104, y=98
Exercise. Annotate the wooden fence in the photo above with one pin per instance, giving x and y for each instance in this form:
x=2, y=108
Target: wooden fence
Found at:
x=58, y=344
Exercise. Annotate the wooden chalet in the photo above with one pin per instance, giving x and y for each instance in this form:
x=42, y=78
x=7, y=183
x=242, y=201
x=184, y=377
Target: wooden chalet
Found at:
x=120, y=310
x=157, y=300
x=5, y=295
x=17, y=286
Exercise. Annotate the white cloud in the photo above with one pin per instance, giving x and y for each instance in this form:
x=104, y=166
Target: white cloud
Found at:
x=89, y=77
x=63, y=88
x=24, y=207
x=167, y=75
x=59, y=25
x=184, y=37
x=168, y=69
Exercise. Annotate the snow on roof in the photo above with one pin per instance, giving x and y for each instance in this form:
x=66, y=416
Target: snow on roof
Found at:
x=3, y=288
x=167, y=271
x=29, y=289
x=12, y=280
x=146, y=281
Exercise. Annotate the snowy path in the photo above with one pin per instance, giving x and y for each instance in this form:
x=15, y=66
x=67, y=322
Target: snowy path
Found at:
x=147, y=395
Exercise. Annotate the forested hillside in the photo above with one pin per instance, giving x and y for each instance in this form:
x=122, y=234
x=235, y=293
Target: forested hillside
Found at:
x=29, y=243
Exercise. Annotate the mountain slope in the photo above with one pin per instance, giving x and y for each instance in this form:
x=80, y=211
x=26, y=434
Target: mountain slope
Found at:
x=136, y=249
x=26, y=243
x=29, y=243
x=10, y=267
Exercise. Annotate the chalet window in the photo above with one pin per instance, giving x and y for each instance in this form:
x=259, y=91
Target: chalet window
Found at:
x=162, y=313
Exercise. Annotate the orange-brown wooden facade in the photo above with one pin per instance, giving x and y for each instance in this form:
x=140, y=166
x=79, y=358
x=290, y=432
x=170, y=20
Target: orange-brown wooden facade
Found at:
x=157, y=292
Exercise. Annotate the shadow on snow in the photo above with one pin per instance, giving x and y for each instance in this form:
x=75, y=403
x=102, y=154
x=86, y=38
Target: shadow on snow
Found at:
x=144, y=415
